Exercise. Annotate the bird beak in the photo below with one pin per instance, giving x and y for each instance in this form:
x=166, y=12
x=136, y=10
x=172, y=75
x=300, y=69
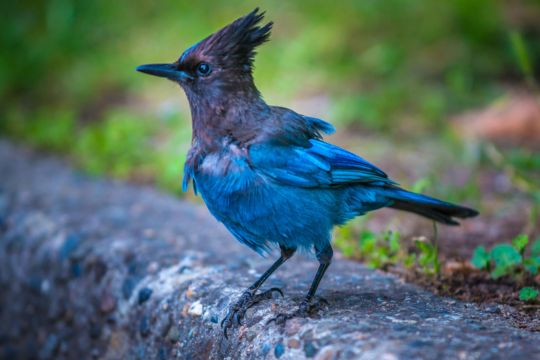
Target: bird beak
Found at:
x=168, y=71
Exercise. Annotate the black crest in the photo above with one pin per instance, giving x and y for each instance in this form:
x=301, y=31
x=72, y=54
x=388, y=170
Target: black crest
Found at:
x=234, y=45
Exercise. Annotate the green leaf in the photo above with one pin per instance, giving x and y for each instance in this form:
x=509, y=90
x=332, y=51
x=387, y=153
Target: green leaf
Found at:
x=522, y=54
x=394, y=241
x=528, y=294
x=367, y=242
x=424, y=247
x=505, y=255
x=520, y=242
x=532, y=264
x=535, y=248
x=480, y=259
x=499, y=271
x=409, y=260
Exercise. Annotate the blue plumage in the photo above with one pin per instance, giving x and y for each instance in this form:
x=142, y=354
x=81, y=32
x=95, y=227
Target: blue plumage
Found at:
x=293, y=195
x=265, y=171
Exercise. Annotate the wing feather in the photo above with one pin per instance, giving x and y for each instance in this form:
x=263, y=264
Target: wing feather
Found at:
x=320, y=165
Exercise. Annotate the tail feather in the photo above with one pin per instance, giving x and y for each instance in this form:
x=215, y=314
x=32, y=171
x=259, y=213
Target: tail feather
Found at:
x=438, y=210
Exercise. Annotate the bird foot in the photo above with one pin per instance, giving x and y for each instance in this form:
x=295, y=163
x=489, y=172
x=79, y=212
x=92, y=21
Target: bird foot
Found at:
x=237, y=311
x=305, y=309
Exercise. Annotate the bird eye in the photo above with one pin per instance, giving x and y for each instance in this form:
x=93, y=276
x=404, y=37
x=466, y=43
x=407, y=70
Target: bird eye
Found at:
x=204, y=69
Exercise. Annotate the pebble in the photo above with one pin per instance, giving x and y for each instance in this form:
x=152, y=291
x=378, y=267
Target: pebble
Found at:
x=327, y=353
x=144, y=326
x=265, y=349
x=250, y=335
x=76, y=269
x=293, y=343
x=279, y=350
x=310, y=349
x=128, y=285
x=144, y=295
x=189, y=292
x=174, y=334
x=196, y=309
x=107, y=303
x=71, y=243
x=292, y=327
x=214, y=318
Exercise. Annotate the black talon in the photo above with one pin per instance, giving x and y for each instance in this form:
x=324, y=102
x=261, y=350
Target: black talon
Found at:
x=278, y=290
x=236, y=319
x=225, y=318
x=237, y=311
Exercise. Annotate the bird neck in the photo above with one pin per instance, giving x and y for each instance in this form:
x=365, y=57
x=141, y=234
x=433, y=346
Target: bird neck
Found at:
x=236, y=117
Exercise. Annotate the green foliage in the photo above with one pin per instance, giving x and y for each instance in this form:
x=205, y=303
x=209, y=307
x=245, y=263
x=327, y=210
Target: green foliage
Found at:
x=535, y=248
x=51, y=130
x=520, y=243
x=421, y=185
x=343, y=239
x=506, y=258
x=528, y=294
x=481, y=258
x=365, y=55
x=522, y=167
x=380, y=250
x=509, y=259
x=532, y=263
x=428, y=258
x=522, y=56
x=115, y=146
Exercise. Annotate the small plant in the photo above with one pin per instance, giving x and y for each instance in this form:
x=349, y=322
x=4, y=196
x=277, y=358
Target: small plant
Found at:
x=528, y=294
x=380, y=250
x=481, y=258
x=509, y=259
x=428, y=258
x=506, y=258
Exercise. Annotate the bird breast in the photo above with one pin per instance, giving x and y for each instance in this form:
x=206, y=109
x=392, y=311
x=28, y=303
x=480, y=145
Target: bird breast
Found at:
x=229, y=158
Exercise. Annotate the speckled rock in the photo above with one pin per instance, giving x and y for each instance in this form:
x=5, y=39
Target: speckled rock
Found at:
x=97, y=268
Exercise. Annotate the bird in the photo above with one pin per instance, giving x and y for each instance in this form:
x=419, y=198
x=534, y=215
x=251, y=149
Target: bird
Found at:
x=266, y=172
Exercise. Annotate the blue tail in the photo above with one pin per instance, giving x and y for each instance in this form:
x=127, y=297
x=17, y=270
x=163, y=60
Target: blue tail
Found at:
x=429, y=207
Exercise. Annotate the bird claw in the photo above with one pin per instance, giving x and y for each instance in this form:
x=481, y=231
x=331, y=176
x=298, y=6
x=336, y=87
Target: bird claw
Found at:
x=236, y=312
x=305, y=309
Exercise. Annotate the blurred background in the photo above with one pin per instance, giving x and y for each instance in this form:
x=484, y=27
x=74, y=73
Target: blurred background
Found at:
x=441, y=95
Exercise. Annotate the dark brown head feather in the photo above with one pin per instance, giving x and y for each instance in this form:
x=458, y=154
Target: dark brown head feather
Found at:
x=234, y=45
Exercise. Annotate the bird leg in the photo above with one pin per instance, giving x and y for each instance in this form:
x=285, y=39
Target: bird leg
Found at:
x=309, y=304
x=250, y=297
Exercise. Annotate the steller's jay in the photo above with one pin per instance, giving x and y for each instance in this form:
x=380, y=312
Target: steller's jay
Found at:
x=265, y=172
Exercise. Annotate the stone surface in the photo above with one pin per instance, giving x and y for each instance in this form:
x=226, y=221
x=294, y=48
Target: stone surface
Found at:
x=76, y=253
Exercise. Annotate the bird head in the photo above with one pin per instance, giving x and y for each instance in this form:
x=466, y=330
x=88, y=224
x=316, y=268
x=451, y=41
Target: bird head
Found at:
x=220, y=64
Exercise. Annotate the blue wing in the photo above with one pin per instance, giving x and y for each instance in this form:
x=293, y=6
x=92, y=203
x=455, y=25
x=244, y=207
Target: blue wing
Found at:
x=320, y=165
